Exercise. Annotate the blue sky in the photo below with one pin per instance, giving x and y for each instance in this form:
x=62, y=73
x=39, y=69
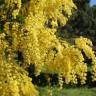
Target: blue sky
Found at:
x=93, y=2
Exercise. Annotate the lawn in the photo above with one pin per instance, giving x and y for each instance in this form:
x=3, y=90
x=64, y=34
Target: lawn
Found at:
x=44, y=91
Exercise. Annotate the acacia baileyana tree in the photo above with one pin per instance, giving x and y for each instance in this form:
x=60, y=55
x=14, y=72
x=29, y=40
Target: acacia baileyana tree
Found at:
x=27, y=36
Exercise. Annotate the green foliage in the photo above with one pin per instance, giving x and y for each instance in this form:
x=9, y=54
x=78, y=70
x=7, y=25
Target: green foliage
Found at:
x=81, y=23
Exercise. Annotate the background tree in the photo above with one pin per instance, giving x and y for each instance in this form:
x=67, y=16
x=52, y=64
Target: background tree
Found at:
x=82, y=22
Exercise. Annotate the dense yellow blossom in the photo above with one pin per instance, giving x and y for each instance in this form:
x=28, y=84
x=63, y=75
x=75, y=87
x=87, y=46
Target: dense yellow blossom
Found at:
x=39, y=38
x=94, y=69
x=15, y=82
x=86, y=45
x=35, y=39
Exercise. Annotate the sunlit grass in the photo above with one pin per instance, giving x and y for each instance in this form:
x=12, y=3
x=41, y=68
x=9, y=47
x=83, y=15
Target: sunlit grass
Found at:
x=68, y=91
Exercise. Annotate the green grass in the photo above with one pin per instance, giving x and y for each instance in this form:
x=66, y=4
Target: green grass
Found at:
x=68, y=91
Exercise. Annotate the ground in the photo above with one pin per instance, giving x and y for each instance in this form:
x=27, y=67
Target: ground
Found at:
x=68, y=91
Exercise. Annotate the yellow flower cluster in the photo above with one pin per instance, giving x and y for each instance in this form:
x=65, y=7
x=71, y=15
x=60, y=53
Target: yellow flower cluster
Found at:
x=3, y=46
x=85, y=45
x=68, y=62
x=54, y=9
x=94, y=69
x=81, y=71
x=60, y=80
x=73, y=77
x=35, y=38
x=14, y=5
x=13, y=38
x=15, y=82
x=30, y=49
